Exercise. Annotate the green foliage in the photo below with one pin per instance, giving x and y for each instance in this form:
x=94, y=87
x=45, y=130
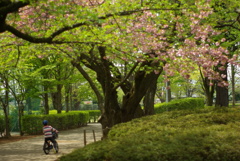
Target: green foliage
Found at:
x=32, y=124
x=97, y=153
x=186, y=103
x=185, y=135
x=93, y=115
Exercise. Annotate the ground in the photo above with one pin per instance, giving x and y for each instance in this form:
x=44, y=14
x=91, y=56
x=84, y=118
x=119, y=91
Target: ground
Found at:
x=13, y=138
x=29, y=147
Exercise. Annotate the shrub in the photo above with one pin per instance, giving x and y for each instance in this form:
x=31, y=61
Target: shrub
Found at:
x=183, y=135
x=181, y=104
x=32, y=124
x=93, y=115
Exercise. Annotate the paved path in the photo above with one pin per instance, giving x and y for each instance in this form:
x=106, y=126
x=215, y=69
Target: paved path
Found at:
x=31, y=149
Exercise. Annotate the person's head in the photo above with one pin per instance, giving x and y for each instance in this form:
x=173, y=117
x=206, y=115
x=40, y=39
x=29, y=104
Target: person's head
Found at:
x=45, y=122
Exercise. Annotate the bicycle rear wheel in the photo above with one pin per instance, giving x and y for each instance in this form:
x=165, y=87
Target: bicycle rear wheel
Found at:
x=46, y=148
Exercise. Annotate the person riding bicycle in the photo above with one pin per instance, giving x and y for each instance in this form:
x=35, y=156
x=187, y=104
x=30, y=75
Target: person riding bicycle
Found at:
x=48, y=132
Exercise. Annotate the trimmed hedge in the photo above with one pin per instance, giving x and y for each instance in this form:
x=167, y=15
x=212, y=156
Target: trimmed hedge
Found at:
x=94, y=115
x=181, y=104
x=183, y=135
x=32, y=124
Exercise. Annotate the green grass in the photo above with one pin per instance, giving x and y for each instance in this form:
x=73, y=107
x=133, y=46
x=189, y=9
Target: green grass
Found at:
x=208, y=134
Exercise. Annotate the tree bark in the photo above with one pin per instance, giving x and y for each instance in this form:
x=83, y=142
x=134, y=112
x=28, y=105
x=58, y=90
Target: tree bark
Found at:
x=5, y=105
x=168, y=92
x=20, y=114
x=67, y=97
x=208, y=89
x=233, y=86
x=57, y=99
x=222, y=99
x=149, y=100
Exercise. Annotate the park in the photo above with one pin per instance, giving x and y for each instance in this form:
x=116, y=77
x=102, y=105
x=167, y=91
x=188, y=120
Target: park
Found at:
x=160, y=77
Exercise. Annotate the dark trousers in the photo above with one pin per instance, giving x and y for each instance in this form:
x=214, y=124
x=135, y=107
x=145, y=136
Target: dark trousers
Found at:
x=52, y=140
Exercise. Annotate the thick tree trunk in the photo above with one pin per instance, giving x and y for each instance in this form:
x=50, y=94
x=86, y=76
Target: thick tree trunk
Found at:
x=7, y=124
x=208, y=88
x=149, y=100
x=221, y=96
x=209, y=98
x=110, y=78
x=111, y=113
x=209, y=91
x=222, y=99
x=57, y=99
x=143, y=81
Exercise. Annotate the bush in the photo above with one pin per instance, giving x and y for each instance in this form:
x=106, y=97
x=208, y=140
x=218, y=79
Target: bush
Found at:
x=183, y=135
x=93, y=115
x=32, y=124
x=181, y=104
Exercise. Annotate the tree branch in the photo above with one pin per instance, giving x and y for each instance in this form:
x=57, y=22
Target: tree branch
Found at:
x=128, y=75
x=14, y=6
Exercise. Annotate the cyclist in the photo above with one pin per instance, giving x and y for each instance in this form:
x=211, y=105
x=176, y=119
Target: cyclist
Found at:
x=48, y=131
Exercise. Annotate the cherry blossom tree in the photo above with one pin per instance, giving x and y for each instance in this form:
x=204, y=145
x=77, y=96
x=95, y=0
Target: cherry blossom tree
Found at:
x=148, y=38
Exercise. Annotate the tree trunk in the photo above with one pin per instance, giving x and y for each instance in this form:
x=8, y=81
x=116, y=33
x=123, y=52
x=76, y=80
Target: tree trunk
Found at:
x=67, y=97
x=222, y=99
x=5, y=105
x=20, y=114
x=168, y=92
x=143, y=81
x=221, y=96
x=233, y=86
x=7, y=124
x=209, y=91
x=209, y=98
x=149, y=100
x=57, y=99
x=110, y=79
x=45, y=99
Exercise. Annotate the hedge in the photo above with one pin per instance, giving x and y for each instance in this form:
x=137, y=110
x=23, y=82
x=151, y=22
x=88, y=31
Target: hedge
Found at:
x=94, y=115
x=32, y=124
x=181, y=104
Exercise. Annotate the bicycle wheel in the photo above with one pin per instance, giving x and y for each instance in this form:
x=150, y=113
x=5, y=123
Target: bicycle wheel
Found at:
x=56, y=147
x=46, y=148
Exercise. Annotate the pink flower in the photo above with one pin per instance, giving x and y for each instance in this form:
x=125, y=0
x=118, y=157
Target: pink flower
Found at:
x=223, y=40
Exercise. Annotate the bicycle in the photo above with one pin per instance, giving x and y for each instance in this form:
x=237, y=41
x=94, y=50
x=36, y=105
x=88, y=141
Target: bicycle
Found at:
x=48, y=145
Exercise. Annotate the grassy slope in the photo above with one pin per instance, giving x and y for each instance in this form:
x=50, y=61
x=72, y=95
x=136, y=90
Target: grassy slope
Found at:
x=206, y=134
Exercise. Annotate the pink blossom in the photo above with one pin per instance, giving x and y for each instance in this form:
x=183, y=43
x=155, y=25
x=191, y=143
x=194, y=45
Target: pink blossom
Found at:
x=223, y=75
x=223, y=39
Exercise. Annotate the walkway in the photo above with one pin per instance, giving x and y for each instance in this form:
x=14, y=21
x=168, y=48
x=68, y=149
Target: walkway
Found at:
x=31, y=149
